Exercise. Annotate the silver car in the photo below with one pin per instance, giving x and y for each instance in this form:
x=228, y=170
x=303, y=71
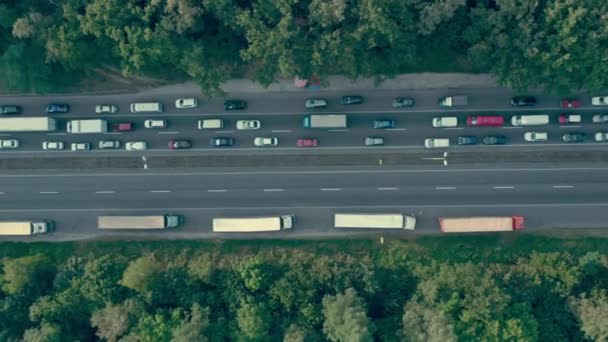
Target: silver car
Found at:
x=81, y=146
x=53, y=145
x=109, y=144
x=100, y=109
x=374, y=141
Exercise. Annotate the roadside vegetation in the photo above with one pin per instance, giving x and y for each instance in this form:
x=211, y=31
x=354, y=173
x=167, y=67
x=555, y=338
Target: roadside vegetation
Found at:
x=486, y=288
x=46, y=46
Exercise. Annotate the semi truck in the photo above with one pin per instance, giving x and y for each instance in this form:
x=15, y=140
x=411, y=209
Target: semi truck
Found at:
x=24, y=228
x=396, y=221
x=139, y=222
x=481, y=224
x=453, y=101
x=253, y=224
x=325, y=121
x=87, y=126
x=39, y=124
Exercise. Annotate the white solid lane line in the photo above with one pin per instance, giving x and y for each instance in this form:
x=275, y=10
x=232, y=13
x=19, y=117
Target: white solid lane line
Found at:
x=387, y=189
x=281, y=131
x=168, y=132
x=224, y=132
x=563, y=186
x=338, y=130
x=104, y=192
x=397, y=129
x=160, y=191
x=1, y=193
x=273, y=190
x=49, y=192
x=217, y=190
x=445, y=188
x=503, y=187
x=330, y=189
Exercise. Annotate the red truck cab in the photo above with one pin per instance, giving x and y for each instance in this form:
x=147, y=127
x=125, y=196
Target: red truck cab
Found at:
x=485, y=120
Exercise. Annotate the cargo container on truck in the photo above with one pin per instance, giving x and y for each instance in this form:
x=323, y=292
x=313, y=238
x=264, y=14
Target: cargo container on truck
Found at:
x=87, y=126
x=253, y=224
x=481, y=224
x=325, y=121
x=453, y=101
x=39, y=124
x=139, y=222
x=24, y=228
x=396, y=221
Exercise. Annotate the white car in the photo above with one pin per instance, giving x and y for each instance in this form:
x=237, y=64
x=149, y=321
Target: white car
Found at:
x=248, y=124
x=53, y=145
x=599, y=101
x=136, y=146
x=535, y=136
x=186, y=103
x=81, y=146
x=436, y=142
x=155, y=123
x=315, y=103
x=266, y=141
x=601, y=136
x=109, y=144
x=9, y=143
x=445, y=121
x=599, y=118
x=100, y=109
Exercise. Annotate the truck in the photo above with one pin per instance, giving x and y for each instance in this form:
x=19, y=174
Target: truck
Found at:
x=87, y=126
x=139, y=222
x=396, y=221
x=453, y=101
x=481, y=224
x=325, y=121
x=38, y=124
x=253, y=224
x=25, y=228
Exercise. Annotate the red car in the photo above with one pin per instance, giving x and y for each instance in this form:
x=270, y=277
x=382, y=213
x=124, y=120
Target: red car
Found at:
x=571, y=103
x=307, y=142
x=485, y=120
x=122, y=127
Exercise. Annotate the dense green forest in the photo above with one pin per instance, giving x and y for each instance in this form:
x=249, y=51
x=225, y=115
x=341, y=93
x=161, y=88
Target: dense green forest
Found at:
x=48, y=45
x=437, y=289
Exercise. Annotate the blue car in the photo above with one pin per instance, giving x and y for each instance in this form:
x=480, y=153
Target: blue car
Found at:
x=384, y=124
x=57, y=108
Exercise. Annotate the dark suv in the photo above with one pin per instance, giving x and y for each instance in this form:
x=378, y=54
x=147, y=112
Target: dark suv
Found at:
x=467, y=140
x=57, y=108
x=235, y=104
x=221, y=142
x=10, y=110
x=351, y=99
x=523, y=101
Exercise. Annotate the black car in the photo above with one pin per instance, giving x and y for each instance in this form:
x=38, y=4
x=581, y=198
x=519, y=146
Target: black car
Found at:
x=467, y=140
x=575, y=137
x=235, y=104
x=494, y=140
x=351, y=99
x=221, y=142
x=403, y=102
x=10, y=109
x=384, y=123
x=57, y=108
x=179, y=144
x=523, y=101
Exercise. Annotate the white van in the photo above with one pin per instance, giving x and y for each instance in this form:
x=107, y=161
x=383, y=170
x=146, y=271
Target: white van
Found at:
x=210, y=124
x=445, y=121
x=529, y=120
x=148, y=107
x=437, y=142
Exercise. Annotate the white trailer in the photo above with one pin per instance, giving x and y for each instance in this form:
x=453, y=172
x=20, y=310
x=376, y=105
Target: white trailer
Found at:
x=395, y=221
x=253, y=224
x=40, y=124
x=25, y=228
x=87, y=126
x=139, y=222
x=325, y=121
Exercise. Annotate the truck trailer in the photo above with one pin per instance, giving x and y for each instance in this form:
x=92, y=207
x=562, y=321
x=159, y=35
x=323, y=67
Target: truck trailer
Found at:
x=37, y=124
x=24, y=228
x=253, y=224
x=453, y=101
x=325, y=121
x=139, y=222
x=396, y=221
x=481, y=224
x=87, y=126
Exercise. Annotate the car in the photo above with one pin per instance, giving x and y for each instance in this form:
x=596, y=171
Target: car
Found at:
x=467, y=140
x=57, y=108
x=235, y=104
x=535, y=136
x=52, y=145
x=10, y=109
x=248, y=124
x=210, y=124
x=123, y=127
x=179, y=144
x=384, y=123
x=80, y=146
x=374, y=141
x=150, y=123
x=570, y=103
x=136, y=146
x=315, y=103
x=436, y=142
x=494, y=140
x=566, y=119
x=102, y=109
x=599, y=100
x=445, y=121
x=485, y=120
x=189, y=102
x=601, y=136
x=9, y=143
x=307, y=142
x=221, y=142
x=351, y=99
x=266, y=141
x=403, y=102
x=523, y=101
x=574, y=137
x=599, y=118
x=109, y=144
